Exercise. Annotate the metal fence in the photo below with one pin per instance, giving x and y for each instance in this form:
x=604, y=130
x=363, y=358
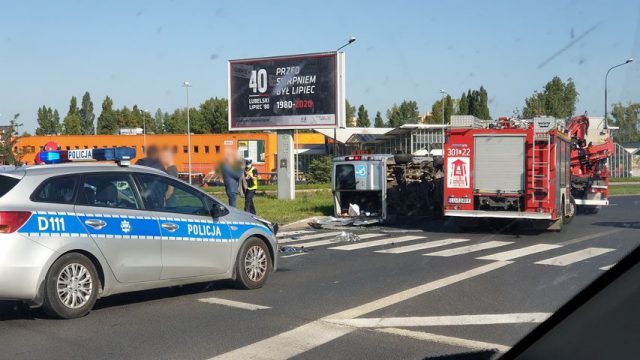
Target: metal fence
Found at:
x=621, y=162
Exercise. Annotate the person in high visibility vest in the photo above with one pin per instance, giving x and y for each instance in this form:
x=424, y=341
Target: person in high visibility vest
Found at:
x=251, y=177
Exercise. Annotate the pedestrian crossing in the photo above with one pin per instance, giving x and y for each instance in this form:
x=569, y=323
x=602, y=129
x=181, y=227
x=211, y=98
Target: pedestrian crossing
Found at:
x=574, y=257
x=387, y=241
x=399, y=243
x=518, y=253
x=469, y=249
x=422, y=246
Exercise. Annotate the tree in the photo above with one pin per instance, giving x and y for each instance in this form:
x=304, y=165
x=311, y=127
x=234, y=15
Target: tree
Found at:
x=626, y=118
x=135, y=120
x=473, y=102
x=557, y=99
x=463, y=105
x=436, y=110
x=48, y=121
x=436, y=113
x=123, y=118
x=448, y=108
x=320, y=170
x=56, y=121
x=8, y=140
x=378, y=122
x=176, y=123
x=86, y=115
x=215, y=115
x=71, y=122
x=157, y=123
x=350, y=113
x=363, y=117
x=107, y=121
x=406, y=113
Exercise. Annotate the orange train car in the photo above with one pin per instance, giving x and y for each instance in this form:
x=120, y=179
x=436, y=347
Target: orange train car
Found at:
x=206, y=149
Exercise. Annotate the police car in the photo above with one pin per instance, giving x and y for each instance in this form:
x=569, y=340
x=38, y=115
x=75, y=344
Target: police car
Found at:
x=71, y=233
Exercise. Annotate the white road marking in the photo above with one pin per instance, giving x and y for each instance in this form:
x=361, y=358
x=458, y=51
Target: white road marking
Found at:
x=574, y=257
x=290, y=343
x=469, y=249
x=293, y=233
x=418, y=290
x=381, y=242
x=605, y=268
x=292, y=255
x=319, y=332
x=591, y=236
x=235, y=304
x=332, y=241
x=448, y=340
x=318, y=235
x=514, y=254
x=415, y=247
x=455, y=320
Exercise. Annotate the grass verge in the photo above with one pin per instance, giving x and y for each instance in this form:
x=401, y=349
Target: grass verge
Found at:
x=624, y=190
x=627, y=179
x=306, y=204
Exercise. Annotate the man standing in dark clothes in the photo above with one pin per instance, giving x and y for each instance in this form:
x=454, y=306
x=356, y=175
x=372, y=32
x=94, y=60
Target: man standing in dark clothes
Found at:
x=251, y=177
x=156, y=191
x=152, y=159
x=231, y=177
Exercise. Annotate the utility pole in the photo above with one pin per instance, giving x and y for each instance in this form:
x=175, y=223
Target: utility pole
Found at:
x=187, y=85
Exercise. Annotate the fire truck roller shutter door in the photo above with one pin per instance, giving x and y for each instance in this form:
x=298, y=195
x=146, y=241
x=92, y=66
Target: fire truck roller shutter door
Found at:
x=499, y=163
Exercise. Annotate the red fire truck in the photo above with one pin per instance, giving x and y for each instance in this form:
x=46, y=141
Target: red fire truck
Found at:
x=510, y=169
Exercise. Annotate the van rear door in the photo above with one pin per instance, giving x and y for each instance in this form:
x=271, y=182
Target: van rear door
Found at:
x=359, y=183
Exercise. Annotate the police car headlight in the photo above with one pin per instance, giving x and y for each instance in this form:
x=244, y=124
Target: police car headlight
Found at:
x=273, y=227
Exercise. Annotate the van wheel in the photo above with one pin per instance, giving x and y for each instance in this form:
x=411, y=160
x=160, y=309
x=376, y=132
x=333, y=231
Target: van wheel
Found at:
x=571, y=212
x=71, y=287
x=253, y=265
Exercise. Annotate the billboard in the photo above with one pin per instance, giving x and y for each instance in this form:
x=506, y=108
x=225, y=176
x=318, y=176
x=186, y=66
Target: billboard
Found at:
x=287, y=92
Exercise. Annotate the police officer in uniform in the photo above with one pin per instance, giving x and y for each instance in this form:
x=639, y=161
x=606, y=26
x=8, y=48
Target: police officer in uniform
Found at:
x=251, y=177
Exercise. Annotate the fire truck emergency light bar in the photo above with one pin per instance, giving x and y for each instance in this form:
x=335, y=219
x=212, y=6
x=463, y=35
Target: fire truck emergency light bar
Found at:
x=120, y=155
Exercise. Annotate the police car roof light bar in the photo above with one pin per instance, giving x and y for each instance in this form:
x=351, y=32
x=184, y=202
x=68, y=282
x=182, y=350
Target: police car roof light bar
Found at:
x=120, y=155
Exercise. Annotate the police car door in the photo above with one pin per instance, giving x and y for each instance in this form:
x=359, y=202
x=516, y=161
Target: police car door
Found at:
x=193, y=242
x=109, y=206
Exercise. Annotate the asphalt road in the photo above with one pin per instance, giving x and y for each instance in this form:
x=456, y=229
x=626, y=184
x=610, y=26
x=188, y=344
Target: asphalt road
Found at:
x=395, y=294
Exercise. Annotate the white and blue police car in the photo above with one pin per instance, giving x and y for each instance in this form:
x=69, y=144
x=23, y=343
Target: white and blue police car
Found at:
x=72, y=232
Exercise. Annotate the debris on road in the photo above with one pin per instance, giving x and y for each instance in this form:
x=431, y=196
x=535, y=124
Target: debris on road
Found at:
x=329, y=222
x=346, y=237
x=291, y=249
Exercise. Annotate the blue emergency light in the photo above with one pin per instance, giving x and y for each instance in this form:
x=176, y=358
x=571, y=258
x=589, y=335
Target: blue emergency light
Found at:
x=53, y=157
x=120, y=155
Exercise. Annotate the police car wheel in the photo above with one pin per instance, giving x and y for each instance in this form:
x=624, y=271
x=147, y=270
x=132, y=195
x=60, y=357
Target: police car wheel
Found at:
x=71, y=287
x=253, y=265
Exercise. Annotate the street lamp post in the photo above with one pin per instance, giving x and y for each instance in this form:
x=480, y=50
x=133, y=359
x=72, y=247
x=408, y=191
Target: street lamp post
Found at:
x=335, y=130
x=606, y=109
x=144, y=129
x=187, y=85
x=443, y=93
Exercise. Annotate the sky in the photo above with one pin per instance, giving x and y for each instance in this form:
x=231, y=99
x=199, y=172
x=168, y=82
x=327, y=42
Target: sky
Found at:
x=139, y=52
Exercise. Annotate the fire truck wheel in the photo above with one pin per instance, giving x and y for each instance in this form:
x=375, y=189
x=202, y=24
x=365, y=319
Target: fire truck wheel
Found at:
x=569, y=213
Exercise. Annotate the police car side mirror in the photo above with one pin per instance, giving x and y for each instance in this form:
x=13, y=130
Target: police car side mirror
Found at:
x=218, y=210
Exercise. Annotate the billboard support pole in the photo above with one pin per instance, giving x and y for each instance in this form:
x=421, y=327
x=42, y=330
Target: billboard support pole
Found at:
x=285, y=166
